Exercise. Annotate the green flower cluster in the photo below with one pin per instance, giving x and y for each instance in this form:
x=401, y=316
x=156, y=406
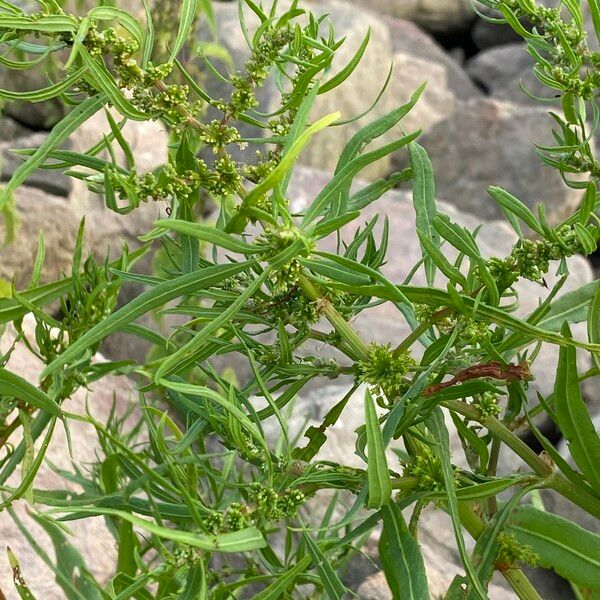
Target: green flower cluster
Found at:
x=276, y=240
x=510, y=551
x=385, y=372
x=172, y=103
x=426, y=467
x=264, y=55
x=266, y=506
x=531, y=259
x=487, y=403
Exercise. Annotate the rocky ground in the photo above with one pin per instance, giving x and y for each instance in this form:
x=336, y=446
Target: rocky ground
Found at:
x=479, y=129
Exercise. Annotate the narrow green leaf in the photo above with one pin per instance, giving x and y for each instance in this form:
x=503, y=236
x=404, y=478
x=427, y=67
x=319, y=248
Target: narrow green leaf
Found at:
x=46, y=93
x=342, y=178
x=572, y=307
x=424, y=203
x=206, y=233
x=378, y=475
x=573, y=418
x=244, y=540
x=456, y=235
x=437, y=426
x=433, y=252
x=20, y=583
x=184, y=353
x=375, y=129
x=102, y=78
x=513, y=205
x=340, y=77
x=187, y=14
x=13, y=385
x=401, y=557
x=593, y=324
x=567, y=548
x=329, y=578
x=286, y=163
x=285, y=580
x=45, y=24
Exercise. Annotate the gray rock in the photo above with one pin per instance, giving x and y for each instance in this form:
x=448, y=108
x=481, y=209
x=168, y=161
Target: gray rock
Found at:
x=499, y=71
x=11, y=130
x=39, y=211
x=410, y=40
x=35, y=115
x=48, y=180
x=433, y=15
x=487, y=141
x=90, y=536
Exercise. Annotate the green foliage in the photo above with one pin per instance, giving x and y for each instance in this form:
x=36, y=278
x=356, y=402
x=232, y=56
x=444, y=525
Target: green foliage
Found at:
x=203, y=501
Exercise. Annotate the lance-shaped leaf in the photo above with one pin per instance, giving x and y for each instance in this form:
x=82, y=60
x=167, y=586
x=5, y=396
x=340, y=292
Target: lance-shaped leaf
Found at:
x=401, y=557
x=13, y=385
x=424, y=203
x=513, y=206
x=573, y=552
x=378, y=476
x=594, y=324
x=573, y=417
x=331, y=582
x=205, y=233
x=243, y=540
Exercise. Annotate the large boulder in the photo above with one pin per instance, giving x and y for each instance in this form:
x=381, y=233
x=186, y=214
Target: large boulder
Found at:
x=90, y=536
x=433, y=15
x=488, y=141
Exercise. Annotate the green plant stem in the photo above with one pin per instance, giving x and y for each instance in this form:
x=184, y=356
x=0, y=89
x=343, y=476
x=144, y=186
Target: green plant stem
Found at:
x=515, y=576
x=358, y=347
x=502, y=432
x=414, y=335
x=555, y=481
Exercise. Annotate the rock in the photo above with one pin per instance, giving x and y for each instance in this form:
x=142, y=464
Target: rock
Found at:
x=39, y=211
x=35, y=115
x=488, y=141
x=409, y=40
x=416, y=57
x=499, y=70
x=48, y=180
x=487, y=35
x=90, y=536
x=11, y=130
x=433, y=15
